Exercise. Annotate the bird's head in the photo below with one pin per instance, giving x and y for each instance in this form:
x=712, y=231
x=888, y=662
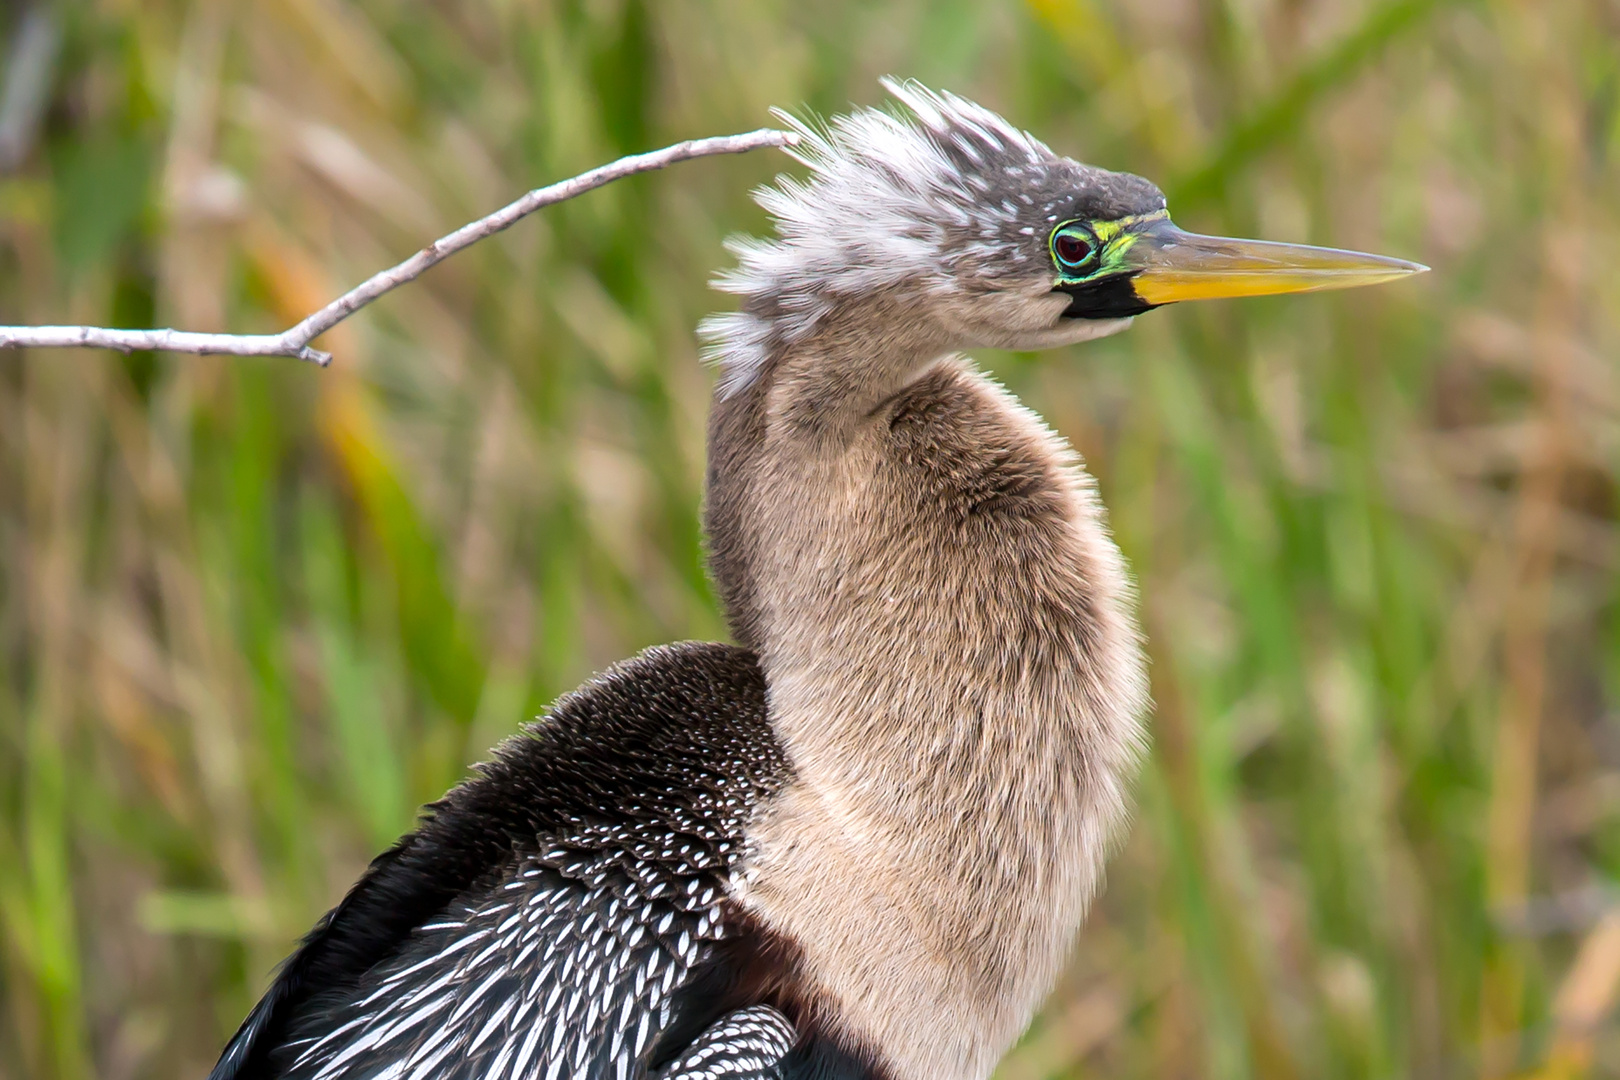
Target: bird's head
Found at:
x=978, y=233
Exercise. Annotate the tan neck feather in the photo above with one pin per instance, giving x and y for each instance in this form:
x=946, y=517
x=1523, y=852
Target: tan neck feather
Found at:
x=954, y=673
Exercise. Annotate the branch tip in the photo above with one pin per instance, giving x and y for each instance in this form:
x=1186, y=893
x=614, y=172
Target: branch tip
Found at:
x=294, y=341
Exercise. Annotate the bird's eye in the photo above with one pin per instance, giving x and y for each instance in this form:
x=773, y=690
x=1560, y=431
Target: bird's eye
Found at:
x=1071, y=249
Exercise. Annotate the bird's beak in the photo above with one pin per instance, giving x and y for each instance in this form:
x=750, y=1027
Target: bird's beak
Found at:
x=1172, y=265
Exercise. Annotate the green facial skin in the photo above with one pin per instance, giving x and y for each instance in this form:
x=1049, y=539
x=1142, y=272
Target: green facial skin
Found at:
x=1109, y=242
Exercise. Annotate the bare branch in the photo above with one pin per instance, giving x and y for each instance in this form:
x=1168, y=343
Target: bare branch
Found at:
x=295, y=342
x=180, y=341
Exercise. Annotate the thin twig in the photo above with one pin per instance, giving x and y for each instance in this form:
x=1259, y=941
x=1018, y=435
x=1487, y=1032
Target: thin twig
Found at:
x=294, y=342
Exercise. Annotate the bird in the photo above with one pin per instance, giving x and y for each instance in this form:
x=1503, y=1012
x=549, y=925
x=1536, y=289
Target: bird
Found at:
x=858, y=841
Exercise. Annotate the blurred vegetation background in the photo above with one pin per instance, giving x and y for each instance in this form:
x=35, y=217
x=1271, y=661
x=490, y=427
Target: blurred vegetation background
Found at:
x=253, y=614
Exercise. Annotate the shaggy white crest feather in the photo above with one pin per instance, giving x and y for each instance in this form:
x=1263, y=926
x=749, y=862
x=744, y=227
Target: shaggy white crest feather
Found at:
x=882, y=197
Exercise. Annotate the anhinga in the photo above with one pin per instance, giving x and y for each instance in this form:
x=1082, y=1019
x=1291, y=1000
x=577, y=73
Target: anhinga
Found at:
x=859, y=842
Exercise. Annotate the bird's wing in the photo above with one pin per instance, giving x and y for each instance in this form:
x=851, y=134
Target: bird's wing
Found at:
x=556, y=973
x=561, y=914
x=749, y=1044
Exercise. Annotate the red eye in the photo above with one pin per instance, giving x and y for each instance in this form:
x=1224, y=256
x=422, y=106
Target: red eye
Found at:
x=1071, y=250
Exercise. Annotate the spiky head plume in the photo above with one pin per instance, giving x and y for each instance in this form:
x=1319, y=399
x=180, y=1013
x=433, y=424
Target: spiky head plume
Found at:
x=947, y=202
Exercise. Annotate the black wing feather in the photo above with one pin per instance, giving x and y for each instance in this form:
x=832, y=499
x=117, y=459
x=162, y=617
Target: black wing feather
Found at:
x=549, y=915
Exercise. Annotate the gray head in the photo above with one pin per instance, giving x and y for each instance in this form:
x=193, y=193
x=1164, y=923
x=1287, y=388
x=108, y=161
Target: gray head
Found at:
x=982, y=236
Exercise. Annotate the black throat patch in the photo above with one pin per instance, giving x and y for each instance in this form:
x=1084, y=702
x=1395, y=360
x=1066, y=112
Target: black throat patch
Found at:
x=1109, y=298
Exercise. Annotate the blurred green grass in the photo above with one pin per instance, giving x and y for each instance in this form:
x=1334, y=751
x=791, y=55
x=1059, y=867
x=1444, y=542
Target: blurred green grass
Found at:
x=252, y=615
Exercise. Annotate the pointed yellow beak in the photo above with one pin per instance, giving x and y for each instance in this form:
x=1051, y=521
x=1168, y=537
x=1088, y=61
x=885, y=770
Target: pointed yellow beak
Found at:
x=1173, y=265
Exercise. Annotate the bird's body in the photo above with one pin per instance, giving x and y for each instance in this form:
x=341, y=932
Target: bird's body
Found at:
x=940, y=618
x=859, y=843
x=651, y=846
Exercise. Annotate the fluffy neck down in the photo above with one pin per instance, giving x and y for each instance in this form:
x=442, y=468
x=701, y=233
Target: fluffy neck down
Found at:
x=953, y=671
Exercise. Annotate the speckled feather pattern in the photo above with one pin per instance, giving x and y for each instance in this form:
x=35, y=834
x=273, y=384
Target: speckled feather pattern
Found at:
x=748, y=1043
x=569, y=954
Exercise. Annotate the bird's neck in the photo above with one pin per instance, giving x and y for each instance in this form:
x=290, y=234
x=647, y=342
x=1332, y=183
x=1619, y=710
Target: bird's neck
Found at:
x=795, y=401
x=953, y=673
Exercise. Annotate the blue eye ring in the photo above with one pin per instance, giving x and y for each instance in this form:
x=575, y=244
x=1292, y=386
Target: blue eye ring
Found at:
x=1073, y=246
